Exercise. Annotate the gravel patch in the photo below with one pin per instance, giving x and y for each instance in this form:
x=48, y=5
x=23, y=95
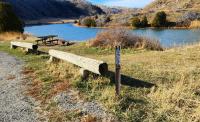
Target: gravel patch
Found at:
x=14, y=105
x=69, y=101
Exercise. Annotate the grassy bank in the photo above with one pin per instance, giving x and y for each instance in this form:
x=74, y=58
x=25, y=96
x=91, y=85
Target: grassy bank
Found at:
x=174, y=73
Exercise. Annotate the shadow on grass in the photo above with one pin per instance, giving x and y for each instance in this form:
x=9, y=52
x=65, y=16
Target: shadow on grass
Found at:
x=129, y=81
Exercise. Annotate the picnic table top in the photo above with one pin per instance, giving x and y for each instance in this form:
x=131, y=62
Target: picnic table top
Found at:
x=46, y=37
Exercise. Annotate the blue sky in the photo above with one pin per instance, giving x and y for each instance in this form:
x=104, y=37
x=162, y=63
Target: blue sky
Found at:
x=123, y=3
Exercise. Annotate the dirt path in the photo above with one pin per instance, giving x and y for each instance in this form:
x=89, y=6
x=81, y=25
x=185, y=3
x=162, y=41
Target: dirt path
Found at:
x=14, y=105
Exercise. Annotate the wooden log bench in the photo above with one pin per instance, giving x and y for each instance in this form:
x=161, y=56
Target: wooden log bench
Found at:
x=87, y=64
x=29, y=47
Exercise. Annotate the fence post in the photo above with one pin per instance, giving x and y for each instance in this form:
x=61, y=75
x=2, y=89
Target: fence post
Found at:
x=117, y=70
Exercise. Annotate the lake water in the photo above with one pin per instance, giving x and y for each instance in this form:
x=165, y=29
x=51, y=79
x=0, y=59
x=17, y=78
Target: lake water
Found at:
x=167, y=37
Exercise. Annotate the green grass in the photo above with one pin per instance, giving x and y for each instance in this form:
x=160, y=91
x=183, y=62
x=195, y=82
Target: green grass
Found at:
x=175, y=72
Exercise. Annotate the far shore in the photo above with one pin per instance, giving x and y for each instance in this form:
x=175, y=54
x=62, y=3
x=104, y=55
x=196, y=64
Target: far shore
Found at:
x=48, y=21
x=62, y=21
x=130, y=27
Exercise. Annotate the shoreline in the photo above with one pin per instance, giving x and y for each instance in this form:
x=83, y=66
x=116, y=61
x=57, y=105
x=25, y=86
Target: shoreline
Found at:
x=64, y=21
x=48, y=21
x=129, y=27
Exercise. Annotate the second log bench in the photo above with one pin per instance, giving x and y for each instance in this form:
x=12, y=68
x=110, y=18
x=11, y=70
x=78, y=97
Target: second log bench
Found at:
x=29, y=47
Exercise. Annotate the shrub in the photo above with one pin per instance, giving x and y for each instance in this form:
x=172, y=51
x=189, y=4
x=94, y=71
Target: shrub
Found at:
x=96, y=17
x=89, y=22
x=8, y=20
x=136, y=22
x=108, y=19
x=75, y=21
x=195, y=24
x=160, y=20
x=111, y=38
x=144, y=22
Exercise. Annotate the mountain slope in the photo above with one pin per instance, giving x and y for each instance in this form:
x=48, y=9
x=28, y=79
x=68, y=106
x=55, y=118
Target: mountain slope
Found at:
x=174, y=5
x=177, y=10
x=41, y=9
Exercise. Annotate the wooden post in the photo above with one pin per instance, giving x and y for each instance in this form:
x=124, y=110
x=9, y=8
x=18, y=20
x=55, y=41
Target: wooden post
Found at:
x=117, y=70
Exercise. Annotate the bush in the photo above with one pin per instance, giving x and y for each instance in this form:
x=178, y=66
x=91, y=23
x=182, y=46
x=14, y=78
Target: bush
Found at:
x=144, y=22
x=75, y=21
x=111, y=38
x=187, y=18
x=108, y=19
x=8, y=20
x=89, y=22
x=195, y=24
x=160, y=20
x=136, y=22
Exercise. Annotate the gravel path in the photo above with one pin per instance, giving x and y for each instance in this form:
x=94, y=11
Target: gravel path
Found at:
x=14, y=106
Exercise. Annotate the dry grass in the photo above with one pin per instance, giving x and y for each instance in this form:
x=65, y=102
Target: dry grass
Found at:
x=195, y=24
x=10, y=77
x=60, y=87
x=175, y=73
x=123, y=37
x=176, y=103
x=51, y=80
x=16, y=36
x=8, y=36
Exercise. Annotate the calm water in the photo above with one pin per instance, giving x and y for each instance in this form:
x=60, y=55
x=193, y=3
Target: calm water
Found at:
x=167, y=37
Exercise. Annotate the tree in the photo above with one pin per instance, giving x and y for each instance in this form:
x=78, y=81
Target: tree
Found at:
x=160, y=20
x=8, y=20
x=89, y=22
x=136, y=22
x=144, y=22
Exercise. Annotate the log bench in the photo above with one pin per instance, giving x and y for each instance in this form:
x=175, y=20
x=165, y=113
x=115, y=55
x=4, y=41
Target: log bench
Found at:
x=29, y=47
x=87, y=64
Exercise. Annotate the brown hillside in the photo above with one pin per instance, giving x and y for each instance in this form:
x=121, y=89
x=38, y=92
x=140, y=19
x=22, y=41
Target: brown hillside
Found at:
x=174, y=5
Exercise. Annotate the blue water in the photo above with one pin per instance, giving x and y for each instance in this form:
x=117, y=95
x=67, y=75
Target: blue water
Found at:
x=64, y=31
x=167, y=37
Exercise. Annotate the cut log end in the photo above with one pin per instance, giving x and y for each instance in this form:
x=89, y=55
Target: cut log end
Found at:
x=103, y=68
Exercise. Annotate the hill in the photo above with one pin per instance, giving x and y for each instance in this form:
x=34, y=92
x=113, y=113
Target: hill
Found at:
x=42, y=9
x=117, y=10
x=176, y=9
x=179, y=12
x=174, y=5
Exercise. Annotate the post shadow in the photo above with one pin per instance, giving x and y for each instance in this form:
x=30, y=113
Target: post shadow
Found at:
x=128, y=81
